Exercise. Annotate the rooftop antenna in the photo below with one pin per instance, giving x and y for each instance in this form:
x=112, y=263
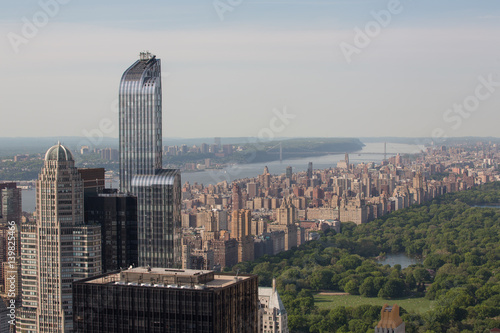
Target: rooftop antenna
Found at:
x=145, y=55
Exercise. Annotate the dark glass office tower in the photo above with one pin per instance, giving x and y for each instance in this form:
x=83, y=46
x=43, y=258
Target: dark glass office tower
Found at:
x=158, y=190
x=10, y=203
x=10, y=211
x=116, y=213
x=158, y=300
x=140, y=120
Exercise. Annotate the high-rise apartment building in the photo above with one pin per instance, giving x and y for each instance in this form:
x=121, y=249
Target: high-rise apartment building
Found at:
x=286, y=217
x=94, y=181
x=66, y=248
x=154, y=300
x=241, y=223
x=265, y=178
x=310, y=170
x=236, y=197
x=252, y=189
x=140, y=120
x=158, y=190
x=28, y=319
x=241, y=228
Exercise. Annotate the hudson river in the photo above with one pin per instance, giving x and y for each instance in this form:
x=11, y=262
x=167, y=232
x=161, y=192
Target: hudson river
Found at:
x=372, y=152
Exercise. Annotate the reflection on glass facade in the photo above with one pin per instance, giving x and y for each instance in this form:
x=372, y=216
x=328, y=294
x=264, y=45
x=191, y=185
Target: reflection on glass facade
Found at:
x=174, y=301
x=117, y=215
x=158, y=191
x=159, y=204
x=140, y=120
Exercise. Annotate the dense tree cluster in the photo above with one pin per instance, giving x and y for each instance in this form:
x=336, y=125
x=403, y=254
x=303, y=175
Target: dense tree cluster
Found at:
x=461, y=247
x=29, y=170
x=23, y=170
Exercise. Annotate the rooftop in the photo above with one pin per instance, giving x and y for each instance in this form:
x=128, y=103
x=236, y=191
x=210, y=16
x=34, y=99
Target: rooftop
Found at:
x=136, y=71
x=168, y=278
x=58, y=153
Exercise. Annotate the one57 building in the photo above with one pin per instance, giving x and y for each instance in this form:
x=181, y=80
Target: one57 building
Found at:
x=158, y=190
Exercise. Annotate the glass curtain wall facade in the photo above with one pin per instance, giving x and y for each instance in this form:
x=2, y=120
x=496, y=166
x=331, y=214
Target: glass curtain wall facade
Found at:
x=159, y=209
x=140, y=120
x=10, y=204
x=228, y=304
x=158, y=191
x=117, y=215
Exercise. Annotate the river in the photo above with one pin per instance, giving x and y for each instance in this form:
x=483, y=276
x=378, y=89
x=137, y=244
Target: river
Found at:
x=371, y=152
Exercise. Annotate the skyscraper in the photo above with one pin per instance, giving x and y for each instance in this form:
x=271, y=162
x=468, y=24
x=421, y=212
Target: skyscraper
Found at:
x=67, y=249
x=236, y=197
x=116, y=213
x=27, y=322
x=140, y=120
x=241, y=226
x=286, y=217
x=10, y=203
x=10, y=212
x=159, y=218
x=158, y=300
x=158, y=190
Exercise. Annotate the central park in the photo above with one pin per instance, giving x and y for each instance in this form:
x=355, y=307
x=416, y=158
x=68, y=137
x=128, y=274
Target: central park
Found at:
x=335, y=284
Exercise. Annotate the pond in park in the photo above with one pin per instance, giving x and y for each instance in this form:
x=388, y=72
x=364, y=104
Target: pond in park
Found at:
x=401, y=259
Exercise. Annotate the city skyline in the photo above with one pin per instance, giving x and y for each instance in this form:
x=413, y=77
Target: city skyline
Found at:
x=244, y=63
x=286, y=167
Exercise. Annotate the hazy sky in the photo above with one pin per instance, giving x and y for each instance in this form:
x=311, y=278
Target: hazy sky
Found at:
x=341, y=68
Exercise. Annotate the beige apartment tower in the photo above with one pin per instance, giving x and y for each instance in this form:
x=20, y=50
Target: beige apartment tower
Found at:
x=286, y=216
x=66, y=248
x=241, y=228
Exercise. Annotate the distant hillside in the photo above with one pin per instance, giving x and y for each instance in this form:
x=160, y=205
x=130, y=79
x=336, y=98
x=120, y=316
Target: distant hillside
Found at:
x=428, y=141
x=295, y=148
x=13, y=146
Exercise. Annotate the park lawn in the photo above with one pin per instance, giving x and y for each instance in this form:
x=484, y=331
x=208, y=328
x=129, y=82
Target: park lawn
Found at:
x=418, y=305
